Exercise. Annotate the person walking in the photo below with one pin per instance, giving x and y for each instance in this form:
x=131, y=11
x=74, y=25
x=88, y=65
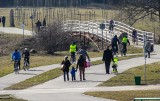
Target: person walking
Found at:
x=16, y=56
x=148, y=48
x=84, y=53
x=124, y=45
x=38, y=25
x=114, y=43
x=3, y=21
x=66, y=64
x=107, y=58
x=73, y=49
x=134, y=37
x=73, y=73
x=44, y=22
x=111, y=25
x=80, y=65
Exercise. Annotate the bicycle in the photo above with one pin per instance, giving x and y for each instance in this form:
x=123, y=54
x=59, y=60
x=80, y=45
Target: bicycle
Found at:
x=73, y=59
x=16, y=67
x=26, y=64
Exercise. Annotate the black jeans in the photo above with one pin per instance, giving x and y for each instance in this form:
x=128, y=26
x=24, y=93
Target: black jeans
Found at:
x=148, y=54
x=115, y=48
x=73, y=57
x=27, y=59
x=107, y=65
x=64, y=75
x=124, y=48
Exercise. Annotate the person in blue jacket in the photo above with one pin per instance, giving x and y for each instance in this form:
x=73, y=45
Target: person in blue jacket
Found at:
x=16, y=56
x=73, y=73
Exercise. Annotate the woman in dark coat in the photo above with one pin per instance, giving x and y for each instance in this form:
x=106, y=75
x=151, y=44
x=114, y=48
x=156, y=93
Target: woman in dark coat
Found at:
x=66, y=64
x=80, y=65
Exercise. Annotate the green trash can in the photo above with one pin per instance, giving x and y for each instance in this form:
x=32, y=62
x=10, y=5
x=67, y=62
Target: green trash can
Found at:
x=137, y=80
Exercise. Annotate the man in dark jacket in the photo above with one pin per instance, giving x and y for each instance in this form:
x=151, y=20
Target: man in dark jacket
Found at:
x=38, y=25
x=115, y=42
x=3, y=21
x=26, y=55
x=107, y=57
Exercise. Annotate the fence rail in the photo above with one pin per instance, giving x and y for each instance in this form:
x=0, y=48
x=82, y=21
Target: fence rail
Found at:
x=93, y=27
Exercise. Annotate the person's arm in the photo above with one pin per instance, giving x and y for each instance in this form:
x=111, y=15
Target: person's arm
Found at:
x=112, y=57
x=87, y=56
x=76, y=48
x=118, y=41
x=103, y=56
x=77, y=65
x=128, y=42
x=12, y=57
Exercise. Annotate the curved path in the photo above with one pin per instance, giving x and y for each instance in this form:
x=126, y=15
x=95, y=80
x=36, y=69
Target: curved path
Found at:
x=59, y=90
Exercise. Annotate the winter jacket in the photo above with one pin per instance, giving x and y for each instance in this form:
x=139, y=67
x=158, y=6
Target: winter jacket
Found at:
x=67, y=64
x=16, y=56
x=107, y=56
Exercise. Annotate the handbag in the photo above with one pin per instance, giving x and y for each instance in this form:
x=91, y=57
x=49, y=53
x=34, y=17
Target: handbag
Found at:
x=62, y=67
x=88, y=64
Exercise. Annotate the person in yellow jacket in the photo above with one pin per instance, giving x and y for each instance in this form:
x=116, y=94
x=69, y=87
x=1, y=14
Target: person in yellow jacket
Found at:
x=124, y=45
x=73, y=50
x=115, y=64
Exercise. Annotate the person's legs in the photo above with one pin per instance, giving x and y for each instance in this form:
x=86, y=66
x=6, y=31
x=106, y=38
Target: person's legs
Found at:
x=19, y=64
x=148, y=54
x=73, y=58
x=74, y=77
x=116, y=47
x=107, y=65
x=64, y=75
x=125, y=48
x=80, y=74
x=83, y=71
x=67, y=75
x=3, y=24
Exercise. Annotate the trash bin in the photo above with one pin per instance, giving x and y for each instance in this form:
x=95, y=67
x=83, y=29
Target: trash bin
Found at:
x=137, y=80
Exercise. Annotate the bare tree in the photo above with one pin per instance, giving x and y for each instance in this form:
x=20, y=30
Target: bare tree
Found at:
x=139, y=9
x=53, y=38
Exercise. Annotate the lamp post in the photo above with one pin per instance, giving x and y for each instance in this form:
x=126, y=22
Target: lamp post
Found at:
x=22, y=26
x=102, y=27
x=144, y=40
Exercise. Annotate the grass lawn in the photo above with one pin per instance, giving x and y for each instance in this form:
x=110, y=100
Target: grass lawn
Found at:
x=9, y=98
x=127, y=77
x=125, y=95
x=46, y=76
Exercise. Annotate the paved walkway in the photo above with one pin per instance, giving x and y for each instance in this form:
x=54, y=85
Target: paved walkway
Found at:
x=14, y=30
x=59, y=90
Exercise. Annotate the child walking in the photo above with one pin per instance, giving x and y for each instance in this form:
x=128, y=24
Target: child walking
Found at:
x=73, y=73
x=115, y=64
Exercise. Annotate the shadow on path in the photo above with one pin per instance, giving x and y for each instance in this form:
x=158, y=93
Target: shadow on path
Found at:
x=35, y=70
x=96, y=73
x=27, y=74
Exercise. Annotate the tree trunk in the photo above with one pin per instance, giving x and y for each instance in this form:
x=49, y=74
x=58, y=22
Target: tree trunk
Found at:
x=12, y=18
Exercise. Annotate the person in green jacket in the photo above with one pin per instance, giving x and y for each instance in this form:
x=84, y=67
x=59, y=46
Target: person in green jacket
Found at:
x=124, y=45
x=73, y=50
